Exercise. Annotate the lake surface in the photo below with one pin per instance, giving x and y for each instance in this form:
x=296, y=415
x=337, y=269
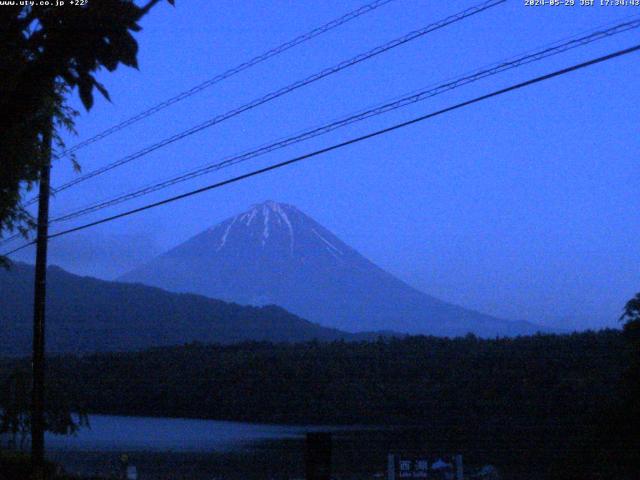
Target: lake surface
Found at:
x=191, y=449
x=118, y=433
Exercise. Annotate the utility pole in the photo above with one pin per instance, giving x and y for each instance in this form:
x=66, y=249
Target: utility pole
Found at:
x=318, y=456
x=39, y=304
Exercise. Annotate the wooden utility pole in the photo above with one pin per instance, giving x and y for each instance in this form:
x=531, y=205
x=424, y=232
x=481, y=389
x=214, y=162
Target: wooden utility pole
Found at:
x=39, y=304
x=318, y=456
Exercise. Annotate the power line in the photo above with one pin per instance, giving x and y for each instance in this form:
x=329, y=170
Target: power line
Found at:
x=389, y=45
x=218, y=78
x=289, y=88
x=10, y=238
x=414, y=97
x=229, y=73
x=337, y=146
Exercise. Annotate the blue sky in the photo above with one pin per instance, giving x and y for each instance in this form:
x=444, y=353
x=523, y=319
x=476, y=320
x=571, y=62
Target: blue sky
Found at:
x=524, y=206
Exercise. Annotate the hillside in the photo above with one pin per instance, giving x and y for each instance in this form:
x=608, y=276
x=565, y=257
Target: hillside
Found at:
x=89, y=315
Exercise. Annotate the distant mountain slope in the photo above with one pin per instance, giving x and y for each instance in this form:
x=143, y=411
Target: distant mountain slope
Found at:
x=89, y=315
x=274, y=253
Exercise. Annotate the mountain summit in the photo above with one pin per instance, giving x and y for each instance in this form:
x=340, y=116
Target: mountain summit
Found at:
x=275, y=254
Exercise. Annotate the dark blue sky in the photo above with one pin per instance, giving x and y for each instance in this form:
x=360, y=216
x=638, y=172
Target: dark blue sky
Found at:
x=524, y=206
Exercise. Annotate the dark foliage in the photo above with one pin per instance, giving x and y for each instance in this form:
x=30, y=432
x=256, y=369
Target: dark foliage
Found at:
x=17, y=466
x=46, y=51
x=530, y=402
x=63, y=414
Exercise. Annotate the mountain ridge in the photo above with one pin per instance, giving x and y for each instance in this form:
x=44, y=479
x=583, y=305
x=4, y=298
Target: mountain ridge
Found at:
x=274, y=253
x=88, y=315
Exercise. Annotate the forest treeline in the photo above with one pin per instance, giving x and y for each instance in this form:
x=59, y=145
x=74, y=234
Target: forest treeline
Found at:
x=392, y=381
x=523, y=400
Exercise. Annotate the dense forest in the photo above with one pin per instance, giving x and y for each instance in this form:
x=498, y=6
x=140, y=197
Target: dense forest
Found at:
x=543, y=399
x=418, y=379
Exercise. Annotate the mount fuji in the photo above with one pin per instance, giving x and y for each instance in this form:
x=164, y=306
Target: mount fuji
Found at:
x=275, y=254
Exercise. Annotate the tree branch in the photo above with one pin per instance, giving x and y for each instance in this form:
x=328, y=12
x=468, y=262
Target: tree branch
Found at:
x=152, y=3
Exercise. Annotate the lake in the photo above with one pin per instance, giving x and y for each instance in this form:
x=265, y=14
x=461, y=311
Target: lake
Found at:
x=191, y=449
x=117, y=433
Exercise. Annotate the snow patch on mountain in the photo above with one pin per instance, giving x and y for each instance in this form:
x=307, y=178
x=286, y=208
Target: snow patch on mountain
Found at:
x=223, y=240
x=283, y=215
x=330, y=246
x=265, y=232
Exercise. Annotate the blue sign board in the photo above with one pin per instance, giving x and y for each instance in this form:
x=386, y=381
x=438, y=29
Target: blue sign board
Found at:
x=410, y=466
